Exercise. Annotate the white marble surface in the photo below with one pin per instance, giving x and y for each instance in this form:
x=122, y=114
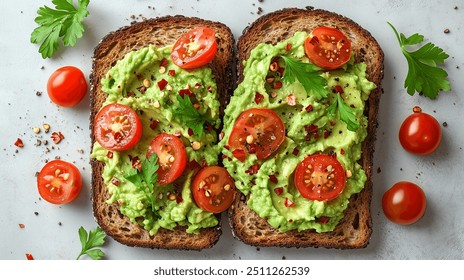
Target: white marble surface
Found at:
x=439, y=235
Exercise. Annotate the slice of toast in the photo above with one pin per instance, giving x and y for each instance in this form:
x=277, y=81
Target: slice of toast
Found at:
x=159, y=32
x=355, y=229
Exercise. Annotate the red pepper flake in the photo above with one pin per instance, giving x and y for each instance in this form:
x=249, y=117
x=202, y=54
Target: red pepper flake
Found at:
x=172, y=73
x=338, y=89
x=289, y=202
x=273, y=179
x=130, y=94
x=115, y=181
x=109, y=154
x=136, y=163
x=198, y=85
x=162, y=84
x=277, y=85
x=252, y=170
x=29, y=257
x=309, y=108
x=239, y=154
x=311, y=128
x=327, y=133
x=342, y=152
x=288, y=47
x=179, y=199
x=210, y=88
x=316, y=136
x=295, y=151
x=57, y=137
x=154, y=124
x=190, y=131
x=21, y=226
x=164, y=62
x=19, y=143
x=139, y=77
x=323, y=220
x=185, y=91
x=258, y=97
x=208, y=127
x=332, y=123
x=279, y=190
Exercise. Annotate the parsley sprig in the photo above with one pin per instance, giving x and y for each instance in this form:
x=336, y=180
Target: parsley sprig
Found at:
x=189, y=115
x=64, y=21
x=146, y=178
x=424, y=76
x=346, y=113
x=307, y=74
x=95, y=238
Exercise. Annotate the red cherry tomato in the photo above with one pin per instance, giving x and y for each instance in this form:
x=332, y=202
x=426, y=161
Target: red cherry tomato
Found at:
x=257, y=131
x=59, y=182
x=117, y=127
x=320, y=177
x=195, y=48
x=404, y=203
x=67, y=86
x=213, y=189
x=420, y=133
x=328, y=47
x=172, y=157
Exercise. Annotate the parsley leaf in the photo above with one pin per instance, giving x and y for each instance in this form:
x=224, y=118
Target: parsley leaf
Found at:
x=146, y=178
x=64, y=21
x=346, y=113
x=189, y=115
x=307, y=74
x=423, y=74
x=89, y=241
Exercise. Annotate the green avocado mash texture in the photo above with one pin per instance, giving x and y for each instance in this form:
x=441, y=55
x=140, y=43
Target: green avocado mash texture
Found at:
x=133, y=81
x=334, y=138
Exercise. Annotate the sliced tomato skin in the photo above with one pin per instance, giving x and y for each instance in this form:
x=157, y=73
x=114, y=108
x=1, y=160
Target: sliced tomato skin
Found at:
x=328, y=48
x=318, y=165
x=110, y=139
x=213, y=189
x=195, y=48
x=166, y=146
x=404, y=203
x=59, y=187
x=67, y=86
x=420, y=133
x=257, y=131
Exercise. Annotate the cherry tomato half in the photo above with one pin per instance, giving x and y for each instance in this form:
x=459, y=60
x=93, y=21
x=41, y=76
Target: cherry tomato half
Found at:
x=257, y=131
x=59, y=182
x=213, y=189
x=328, y=47
x=420, y=133
x=67, y=86
x=320, y=177
x=172, y=157
x=404, y=203
x=195, y=48
x=117, y=127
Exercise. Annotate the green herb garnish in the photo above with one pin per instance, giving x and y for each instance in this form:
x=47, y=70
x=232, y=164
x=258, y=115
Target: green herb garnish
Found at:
x=346, y=113
x=424, y=76
x=64, y=21
x=94, y=238
x=189, y=115
x=146, y=178
x=307, y=74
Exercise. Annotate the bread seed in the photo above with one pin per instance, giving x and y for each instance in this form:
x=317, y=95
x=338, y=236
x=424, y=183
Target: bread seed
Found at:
x=146, y=83
x=196, y=145
x=250, y=139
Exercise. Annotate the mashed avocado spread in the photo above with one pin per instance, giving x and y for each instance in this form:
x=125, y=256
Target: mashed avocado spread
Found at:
x=148, y=82
x=298, y=110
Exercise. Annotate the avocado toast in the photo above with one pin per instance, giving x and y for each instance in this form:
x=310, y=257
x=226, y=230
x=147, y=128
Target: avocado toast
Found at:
x=312, y=127
x=131, y=66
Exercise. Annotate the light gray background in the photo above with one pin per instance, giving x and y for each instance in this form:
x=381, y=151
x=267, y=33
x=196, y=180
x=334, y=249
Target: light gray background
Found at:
x=439, y=235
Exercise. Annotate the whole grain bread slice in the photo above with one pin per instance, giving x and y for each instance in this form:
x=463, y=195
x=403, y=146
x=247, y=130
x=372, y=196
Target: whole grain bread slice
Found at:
x=159, y=32
x=355, y=229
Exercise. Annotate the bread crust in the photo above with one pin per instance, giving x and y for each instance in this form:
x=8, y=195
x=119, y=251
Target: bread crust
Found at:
x=159, y=32
x=355, y=229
